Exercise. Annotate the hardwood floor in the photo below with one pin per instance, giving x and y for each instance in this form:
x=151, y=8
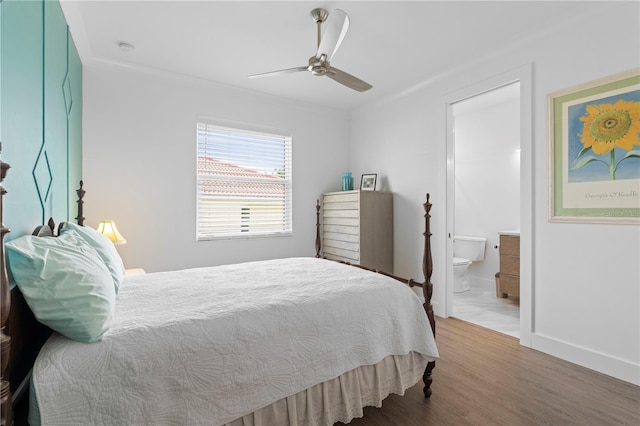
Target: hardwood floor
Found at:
x=487, y=378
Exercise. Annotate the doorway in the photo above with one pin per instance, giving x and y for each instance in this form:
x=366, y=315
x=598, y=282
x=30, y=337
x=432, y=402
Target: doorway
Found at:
x=477, y=212
x=486, y=165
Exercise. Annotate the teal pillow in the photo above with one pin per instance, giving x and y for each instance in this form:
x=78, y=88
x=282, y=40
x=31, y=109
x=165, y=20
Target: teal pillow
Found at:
x=105, y=248
x=65, y=283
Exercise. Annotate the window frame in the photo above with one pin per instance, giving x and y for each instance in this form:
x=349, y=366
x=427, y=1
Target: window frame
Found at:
x=247, y=210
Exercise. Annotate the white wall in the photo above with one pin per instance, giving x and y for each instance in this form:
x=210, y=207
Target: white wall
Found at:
x=139, y=169
x=140, y=163
x=586, y=305
x=487, y=173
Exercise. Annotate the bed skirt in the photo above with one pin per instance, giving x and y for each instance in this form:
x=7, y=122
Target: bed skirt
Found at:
x=343, y=398
x=337, y=400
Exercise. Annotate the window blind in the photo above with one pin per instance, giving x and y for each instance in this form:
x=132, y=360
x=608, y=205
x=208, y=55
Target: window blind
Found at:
x=244, y=183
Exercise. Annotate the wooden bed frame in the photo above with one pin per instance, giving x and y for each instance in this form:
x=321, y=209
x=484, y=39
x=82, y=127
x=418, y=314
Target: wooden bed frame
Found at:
x=22, y=336
x=427, y=286
x=6, y=417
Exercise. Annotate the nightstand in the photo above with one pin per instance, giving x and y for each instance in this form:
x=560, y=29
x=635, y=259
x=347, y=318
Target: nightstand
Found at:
x=133, y=272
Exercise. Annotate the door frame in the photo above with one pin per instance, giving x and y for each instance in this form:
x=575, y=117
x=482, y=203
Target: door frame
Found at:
x=522, y=74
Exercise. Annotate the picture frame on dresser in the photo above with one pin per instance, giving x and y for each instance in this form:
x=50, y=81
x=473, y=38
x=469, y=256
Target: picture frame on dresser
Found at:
x=594, y=152
x=368, y=182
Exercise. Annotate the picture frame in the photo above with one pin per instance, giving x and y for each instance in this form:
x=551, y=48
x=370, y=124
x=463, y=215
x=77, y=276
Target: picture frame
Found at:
x=368, y=182
x=594, y=151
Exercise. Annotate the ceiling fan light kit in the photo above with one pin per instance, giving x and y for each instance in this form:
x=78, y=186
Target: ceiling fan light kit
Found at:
x=319, y=64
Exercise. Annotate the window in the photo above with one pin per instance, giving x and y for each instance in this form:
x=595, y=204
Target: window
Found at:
x=244, y=183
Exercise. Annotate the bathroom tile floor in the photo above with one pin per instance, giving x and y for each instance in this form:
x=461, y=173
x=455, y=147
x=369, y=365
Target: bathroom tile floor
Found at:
x=481, y=306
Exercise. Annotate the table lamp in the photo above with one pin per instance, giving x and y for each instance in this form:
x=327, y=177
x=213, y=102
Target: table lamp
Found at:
x=108, y=229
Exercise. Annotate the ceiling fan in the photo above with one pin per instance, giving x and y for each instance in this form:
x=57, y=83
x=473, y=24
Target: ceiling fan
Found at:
x=327, y=46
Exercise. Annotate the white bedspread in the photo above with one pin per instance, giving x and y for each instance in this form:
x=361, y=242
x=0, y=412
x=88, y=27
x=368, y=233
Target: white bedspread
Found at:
x=205, y=346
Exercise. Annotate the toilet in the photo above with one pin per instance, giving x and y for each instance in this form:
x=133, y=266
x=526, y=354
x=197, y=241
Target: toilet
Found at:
x=466, y=250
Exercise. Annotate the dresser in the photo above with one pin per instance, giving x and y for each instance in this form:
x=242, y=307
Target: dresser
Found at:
x=509, y=282
x=357, y=227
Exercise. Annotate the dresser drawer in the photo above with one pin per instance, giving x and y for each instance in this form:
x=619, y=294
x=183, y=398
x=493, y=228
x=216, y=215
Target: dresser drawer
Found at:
x=343, y=221
x=341, y=244
x=340, y=197
x=510, y=244
x=342, y=236
x=341, y=229
x=510, y=264
x=510, y=284
x=340, y=213
x=332, y=256
x=336, y=252
x=341, y=205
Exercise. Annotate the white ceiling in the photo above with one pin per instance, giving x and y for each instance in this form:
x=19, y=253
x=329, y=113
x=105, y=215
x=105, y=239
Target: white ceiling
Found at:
x=393, y=45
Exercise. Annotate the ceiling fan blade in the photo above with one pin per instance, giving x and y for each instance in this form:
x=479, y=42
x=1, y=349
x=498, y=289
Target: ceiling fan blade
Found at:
x=337, y=26
x=348, y=80
x=285, y=71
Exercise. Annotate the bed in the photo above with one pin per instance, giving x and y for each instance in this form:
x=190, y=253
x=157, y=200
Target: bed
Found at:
x=304, y=341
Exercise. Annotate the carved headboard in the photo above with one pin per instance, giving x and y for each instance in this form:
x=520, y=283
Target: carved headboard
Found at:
x=5, y=301
x=22, y=335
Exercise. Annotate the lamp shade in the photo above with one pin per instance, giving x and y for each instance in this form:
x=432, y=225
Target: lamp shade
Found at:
x=108, y=229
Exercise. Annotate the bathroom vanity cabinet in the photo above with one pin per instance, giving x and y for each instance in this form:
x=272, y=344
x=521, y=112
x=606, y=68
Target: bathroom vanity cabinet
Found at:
x=357, y=227
x=509, y=282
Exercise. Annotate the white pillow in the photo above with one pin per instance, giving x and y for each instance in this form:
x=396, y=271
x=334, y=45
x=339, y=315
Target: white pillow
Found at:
x=65, y=283
x=105, y=248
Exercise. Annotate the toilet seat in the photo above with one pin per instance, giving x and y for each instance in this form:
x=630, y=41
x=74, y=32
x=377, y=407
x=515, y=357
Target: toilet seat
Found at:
x=461, y=261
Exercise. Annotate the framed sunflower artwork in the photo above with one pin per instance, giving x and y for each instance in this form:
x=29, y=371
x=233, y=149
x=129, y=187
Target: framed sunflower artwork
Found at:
x=594, y=151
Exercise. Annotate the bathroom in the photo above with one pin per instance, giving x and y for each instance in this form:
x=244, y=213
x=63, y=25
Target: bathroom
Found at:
x=487, y=204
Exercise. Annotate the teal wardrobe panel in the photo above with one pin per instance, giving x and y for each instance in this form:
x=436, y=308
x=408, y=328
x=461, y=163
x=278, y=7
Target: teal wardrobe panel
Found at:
x=22, y=111
x=40, y=115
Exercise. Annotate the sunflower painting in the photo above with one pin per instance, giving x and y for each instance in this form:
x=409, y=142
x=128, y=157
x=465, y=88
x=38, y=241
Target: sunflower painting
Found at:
x=607, y=142
x=595, y=151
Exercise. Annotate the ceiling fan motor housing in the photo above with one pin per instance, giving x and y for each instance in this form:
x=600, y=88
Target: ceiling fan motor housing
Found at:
x=318, y=66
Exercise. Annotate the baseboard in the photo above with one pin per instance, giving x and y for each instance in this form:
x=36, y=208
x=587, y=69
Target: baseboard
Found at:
x=605, y=364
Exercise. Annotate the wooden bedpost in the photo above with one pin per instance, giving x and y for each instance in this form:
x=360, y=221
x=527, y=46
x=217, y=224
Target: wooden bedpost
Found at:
x=6, y=415
x=80, y=192
x=318, y=244
x=427, y=286
x=427, y=291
